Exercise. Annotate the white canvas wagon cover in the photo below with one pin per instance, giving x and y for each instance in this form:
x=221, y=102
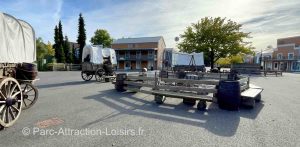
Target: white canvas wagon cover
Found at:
x=17, y=40
x=97, y=53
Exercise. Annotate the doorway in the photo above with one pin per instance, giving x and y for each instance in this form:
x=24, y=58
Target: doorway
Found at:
x=127, y=65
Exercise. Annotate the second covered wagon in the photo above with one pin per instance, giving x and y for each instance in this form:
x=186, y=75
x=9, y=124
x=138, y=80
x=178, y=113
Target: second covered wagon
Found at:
x=98, y=61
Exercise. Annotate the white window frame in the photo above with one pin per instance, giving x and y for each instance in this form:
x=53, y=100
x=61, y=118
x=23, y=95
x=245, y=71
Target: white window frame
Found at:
x=290, y=54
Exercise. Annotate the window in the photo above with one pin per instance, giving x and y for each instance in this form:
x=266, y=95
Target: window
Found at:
x=138, y=54
x=296, y=66
x=279, y=56
x=150, y=65
x=138, y=65
x=127, y=54
x=275, y=65
x=290, y=55
x=150, y=52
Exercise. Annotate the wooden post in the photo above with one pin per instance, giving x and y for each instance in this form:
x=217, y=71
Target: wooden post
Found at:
x=156, y=82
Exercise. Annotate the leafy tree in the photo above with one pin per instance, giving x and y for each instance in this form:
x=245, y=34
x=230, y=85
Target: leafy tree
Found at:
x=223, y=61
x=41, y=49
x=81, y=35
x=230, y=60
x=68, y=50
x=216, y=37
x=102, y=37
x=50, y=50
x=236, y=59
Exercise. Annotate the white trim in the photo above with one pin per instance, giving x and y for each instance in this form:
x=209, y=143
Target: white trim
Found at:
x=286, y=45
x=290, y=54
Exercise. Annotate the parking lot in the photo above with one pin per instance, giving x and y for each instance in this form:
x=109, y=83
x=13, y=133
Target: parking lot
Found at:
x=79, y=105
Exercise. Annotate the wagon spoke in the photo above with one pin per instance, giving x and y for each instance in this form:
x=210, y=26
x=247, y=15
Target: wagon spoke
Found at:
x=7, y=115
x=15, y=108
x=1, y=108
x=2, y=95
x=2, y=102
x=15, y=94
x=25, y=88
x=29, y=90
x=13, y=89
x=29, y=100
x=7, y=88
x=11, y=113
x=3, y=115
x=24, y=103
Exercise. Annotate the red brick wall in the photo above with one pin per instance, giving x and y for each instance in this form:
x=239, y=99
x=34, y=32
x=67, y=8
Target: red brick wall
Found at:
x=289, y=40
x=285, y=51
x=135, y=45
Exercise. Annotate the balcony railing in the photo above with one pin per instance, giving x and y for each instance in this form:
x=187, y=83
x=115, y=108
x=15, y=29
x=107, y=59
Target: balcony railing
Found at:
x=136, y=57
x=282, y=58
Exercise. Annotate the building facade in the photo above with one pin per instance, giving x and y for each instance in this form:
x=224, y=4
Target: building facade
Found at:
x=263, y=58
x=286, y=56
x=139, y=53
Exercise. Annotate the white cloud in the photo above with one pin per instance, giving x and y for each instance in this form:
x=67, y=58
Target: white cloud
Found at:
x=266, y=19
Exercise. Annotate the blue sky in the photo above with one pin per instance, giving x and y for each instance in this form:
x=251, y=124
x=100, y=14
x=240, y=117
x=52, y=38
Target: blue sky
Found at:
x=267, y=20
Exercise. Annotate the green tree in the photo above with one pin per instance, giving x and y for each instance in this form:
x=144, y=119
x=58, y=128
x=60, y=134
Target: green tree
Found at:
x=236, y=59
x=60, y=34
x=81, y=36
x=68, y=50
x=41, y=49
x=216, y=37
x=56, y=42
x=102, y=37
x=230, y=60
x=59, y=43
x=50, y=49
x=61, y=54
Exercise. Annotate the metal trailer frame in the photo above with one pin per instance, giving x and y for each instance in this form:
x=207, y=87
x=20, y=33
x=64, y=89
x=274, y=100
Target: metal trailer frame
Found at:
x=15, y=94
x=203, y=87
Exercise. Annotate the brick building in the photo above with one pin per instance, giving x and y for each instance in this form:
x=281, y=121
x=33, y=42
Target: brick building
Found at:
x=138, y=53
x=286, y=56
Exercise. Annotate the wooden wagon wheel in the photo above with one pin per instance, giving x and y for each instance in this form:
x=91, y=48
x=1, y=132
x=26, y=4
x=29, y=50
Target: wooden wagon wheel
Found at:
x=10, y=101
x=30, y=95
x=99, y=74
x=86, y=76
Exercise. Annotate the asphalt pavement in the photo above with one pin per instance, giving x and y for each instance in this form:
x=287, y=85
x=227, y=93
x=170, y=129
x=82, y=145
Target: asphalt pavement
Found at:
x=72, y=112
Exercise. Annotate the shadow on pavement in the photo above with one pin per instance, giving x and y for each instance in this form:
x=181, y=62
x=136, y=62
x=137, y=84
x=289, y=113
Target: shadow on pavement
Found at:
x=215, y=120
x=64, y=84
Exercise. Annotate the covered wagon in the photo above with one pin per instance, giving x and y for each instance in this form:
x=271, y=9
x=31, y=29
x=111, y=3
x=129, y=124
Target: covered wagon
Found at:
x=17, y=71
x=98, y=61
